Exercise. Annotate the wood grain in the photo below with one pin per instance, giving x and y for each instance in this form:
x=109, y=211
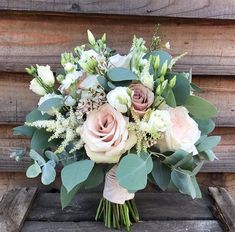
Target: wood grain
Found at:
x=225, y=207
x=31, y=39
x=149, y=226
x=14, y=207
x=174, y=8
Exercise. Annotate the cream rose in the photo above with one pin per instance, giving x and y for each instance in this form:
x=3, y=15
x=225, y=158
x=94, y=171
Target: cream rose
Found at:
x=183, y=132
x=120, y=61
x=106, y=136
x=142, y=98
x=36, y=87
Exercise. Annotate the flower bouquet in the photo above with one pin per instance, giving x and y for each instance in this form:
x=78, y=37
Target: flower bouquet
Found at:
x=122, y=120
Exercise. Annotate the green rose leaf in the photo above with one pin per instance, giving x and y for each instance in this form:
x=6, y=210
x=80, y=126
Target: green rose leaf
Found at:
x=161, y=174
x=183, y=181
x=33, y=171
x=24, y=130
x=200, y=108
x=51, y=103
x=121, y=74
x=208, y=143
x=48, y=172
x=76, y=173
x=148, y=161
x=95, y=178
x=66, y=197
x=132, y=173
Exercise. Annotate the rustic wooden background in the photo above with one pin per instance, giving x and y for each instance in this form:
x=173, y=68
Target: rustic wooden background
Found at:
x=37, y=31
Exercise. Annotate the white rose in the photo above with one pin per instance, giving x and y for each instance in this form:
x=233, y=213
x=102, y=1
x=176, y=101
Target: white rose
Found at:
x=183, y=132
x=36, y=87
x=46, y=97
x=47, y=76
x=120, y=61
x=120, y=98
x=159, y=121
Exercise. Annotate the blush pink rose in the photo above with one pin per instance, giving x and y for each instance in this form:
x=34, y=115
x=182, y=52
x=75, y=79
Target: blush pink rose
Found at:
x=106, y=136
x=182, y=133
x=142, y=98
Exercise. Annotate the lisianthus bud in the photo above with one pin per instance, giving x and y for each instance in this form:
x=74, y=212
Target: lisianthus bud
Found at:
x=46, y=75
x=36, y=87
x=120, y=99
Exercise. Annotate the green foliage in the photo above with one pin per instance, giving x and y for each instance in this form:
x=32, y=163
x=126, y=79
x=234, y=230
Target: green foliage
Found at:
x=170, y=98
x=208, y=155
x=24, y=130
x=48, y=172
x=76, y=173
x=206, y=126
x=33, y=171
x=52, y=103
x=132, y=173
x=66, y=197
x=208, y=143
x=161, y=174
x=121, y=74
x=36, y=115
x=200, y=108
x=52, y=156
x=148, y=161
x=95, y=178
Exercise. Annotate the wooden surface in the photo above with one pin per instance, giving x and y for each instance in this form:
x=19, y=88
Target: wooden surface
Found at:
x=30, y=39
x=159, y=212
x=14, y=207
x=176, y=8
x=225, y=207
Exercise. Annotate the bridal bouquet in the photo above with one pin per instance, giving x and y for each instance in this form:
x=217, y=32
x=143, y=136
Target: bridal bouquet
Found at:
x=119, y=119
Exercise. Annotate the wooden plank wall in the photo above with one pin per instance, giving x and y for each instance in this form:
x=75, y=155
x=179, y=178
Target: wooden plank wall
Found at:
x=38, y=31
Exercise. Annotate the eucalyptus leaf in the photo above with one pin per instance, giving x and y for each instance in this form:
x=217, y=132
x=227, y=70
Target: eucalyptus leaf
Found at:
x=161, y=174
x=103, y=82
x=48, y=172
x=54, y=102
x=66, y=197
x=200, y=108
x=196, y=186
x=33, y=171
x=24, y=130
x=170, y=98
x=36, y=115
x=121, y=74
x=131, y=173
x=76, y=173
x=209, y=155
x=206, y=126
x=208, y=143
x=37, y=157
x=148, y=161
x=52, y=156
x=95, y=178
x=196, y=88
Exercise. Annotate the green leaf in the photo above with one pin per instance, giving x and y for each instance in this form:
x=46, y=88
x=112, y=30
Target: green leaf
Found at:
x=95, y=178
x=206, y=126
x=209, y=155
x=170, y=98
x=186, y=162
x=198, y=167
x=177, y=156
x=37, y=157
x=200, y=108
x=208, y=143
x=181, y=89
x=40, y=140
x=131, y=173
x=196, y=186
x=66, y=197
x=52, y=156
x=196, y=88
x=36, y=115
x=183, y=182
x=48, y=172
x=121, y=74
x=148, y=161
x=76, y=173
x=103, y=82
x=24, y=130
x=33, y=171
x=51, y=103
x=161, y=174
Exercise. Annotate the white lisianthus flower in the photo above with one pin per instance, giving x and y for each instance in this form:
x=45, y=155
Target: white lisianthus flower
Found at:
x=120, y=98
x=46, y=75
x=120, y=61
x=36, y=87
x=69, y=101
x=70, y=79
x=183, y=132
x=46, y=97
x=69, y=67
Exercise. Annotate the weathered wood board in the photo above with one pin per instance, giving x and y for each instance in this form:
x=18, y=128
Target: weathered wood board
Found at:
x=180, y=8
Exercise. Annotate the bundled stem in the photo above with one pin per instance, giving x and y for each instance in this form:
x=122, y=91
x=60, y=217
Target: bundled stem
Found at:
x=117, y=215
